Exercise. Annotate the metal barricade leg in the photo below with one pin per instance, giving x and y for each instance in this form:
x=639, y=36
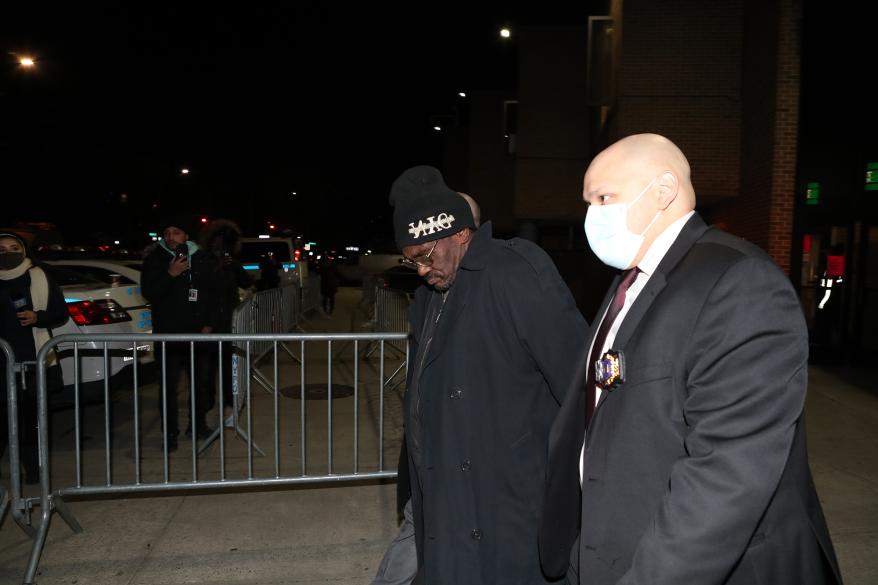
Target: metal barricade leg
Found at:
x=13, y=498
x=66, y=513
x=39, y=542
x=47, y=502
x=4, y=503
x=233, y=421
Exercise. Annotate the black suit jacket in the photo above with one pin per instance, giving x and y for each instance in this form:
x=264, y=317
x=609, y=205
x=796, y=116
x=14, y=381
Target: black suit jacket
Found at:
x=695, y=468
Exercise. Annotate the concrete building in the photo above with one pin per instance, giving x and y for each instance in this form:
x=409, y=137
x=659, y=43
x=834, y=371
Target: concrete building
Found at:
x=723, y=80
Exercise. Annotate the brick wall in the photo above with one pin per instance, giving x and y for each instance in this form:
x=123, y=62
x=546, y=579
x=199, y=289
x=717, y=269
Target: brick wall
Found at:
x=680, y=76
x=786, y=126
x=722, y=81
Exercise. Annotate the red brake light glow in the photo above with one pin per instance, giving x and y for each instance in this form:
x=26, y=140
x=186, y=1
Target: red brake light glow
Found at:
x=101, y=312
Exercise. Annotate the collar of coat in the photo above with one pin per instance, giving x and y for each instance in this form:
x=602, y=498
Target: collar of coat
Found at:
x=477, y=254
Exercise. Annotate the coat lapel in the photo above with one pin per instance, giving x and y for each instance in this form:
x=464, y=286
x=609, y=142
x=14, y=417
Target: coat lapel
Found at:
x=454, y=305
x=690, y=234
x=471, y=266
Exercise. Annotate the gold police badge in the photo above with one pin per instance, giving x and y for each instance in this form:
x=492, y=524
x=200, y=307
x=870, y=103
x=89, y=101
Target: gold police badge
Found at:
x=609, y=370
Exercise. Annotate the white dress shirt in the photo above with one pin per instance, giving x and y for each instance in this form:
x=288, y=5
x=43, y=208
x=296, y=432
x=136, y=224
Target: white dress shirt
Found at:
x=647, y=267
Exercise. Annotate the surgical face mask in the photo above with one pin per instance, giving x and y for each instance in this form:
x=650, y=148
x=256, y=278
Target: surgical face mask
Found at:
x=11, y=260
x=606, y=227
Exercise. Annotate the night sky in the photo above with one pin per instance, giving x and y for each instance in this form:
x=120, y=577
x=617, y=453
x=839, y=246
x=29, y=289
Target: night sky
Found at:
x=329, y=103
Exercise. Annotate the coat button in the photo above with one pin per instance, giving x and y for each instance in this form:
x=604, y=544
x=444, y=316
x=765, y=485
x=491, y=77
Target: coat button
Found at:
x=455, y=393
x=466, y=465
x=476, y=534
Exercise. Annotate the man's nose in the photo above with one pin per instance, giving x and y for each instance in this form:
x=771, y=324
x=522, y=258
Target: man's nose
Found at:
x=424, y=270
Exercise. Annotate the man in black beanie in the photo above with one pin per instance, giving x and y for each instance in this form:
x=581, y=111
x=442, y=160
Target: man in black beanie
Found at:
x=496, y=336
x=181, y=282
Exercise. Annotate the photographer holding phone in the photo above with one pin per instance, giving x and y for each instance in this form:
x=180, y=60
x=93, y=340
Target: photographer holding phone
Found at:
x=180, y=280
x=31, y=304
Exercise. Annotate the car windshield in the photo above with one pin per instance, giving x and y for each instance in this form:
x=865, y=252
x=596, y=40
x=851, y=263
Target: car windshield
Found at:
x=95, y=273
x=64, y=276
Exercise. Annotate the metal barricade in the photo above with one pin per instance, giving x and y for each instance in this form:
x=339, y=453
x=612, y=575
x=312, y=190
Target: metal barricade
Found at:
x=132, y=460
x=291, y=308
x=391, y=313
x=311, y=299
x=12, y=414
x=13, y=497
x=268, y=311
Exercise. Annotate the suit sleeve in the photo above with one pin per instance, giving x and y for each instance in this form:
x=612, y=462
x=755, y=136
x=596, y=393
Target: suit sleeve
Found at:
x=547, y=322
x=746, y=382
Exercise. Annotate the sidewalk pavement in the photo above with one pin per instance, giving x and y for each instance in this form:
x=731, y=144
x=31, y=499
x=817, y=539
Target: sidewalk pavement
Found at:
x=842, y=423
x=337, y=534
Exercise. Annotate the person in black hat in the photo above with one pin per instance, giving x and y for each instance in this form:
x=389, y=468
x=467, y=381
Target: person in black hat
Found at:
x=181, y=283
x=222, y=239
x=496, y=337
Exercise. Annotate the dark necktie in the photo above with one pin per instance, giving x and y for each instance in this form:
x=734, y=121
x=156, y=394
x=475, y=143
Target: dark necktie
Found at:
x=628, y=278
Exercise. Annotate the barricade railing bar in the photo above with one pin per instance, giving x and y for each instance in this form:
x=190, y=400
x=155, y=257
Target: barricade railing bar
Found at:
x=134, y=447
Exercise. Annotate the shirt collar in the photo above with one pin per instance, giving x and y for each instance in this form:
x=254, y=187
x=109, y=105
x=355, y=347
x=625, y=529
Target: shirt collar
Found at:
x=662, y=244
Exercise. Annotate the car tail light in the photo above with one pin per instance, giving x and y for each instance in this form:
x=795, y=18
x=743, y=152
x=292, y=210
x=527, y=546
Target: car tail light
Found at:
x=100, y=312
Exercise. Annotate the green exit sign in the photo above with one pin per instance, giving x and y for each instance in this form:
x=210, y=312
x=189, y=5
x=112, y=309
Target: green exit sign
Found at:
x=812, y=194
x=872, y=176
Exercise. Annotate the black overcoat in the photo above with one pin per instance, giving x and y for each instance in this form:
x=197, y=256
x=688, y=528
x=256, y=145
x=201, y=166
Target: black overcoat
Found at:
x=502, y=356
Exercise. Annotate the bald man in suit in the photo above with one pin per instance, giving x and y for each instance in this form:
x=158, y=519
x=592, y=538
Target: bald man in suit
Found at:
x=678, y=456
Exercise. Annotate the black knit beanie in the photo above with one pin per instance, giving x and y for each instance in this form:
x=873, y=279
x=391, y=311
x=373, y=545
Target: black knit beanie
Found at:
x=425, y=209
x=180, y=221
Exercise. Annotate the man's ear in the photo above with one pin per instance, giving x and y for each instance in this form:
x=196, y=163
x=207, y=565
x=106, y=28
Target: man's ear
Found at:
x=463, y=236
x=668, y=187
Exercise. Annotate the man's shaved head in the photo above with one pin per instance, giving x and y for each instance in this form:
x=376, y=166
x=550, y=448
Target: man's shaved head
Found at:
x=642, y=164
x=649, y=155
x=474, y=207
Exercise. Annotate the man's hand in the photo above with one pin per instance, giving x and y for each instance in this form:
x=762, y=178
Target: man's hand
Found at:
x=178, y=266
x=26, y=318
x=207, y=329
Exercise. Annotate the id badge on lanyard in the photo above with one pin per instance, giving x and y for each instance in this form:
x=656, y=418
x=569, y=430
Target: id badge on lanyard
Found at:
x=193, y=292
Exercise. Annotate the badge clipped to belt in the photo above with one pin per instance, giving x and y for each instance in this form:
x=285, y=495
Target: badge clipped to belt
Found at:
x=193, y=295
x=609, y=370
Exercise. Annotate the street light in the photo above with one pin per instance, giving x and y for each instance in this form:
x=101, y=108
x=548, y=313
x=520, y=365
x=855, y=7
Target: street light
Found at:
x=184, y=171
x=505, y=33
x=27, y=62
